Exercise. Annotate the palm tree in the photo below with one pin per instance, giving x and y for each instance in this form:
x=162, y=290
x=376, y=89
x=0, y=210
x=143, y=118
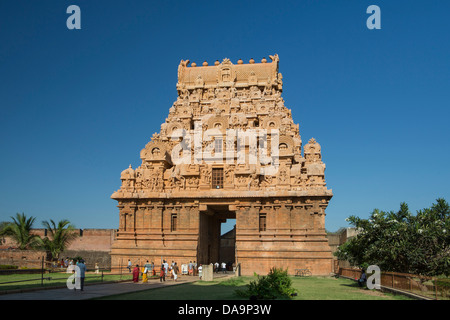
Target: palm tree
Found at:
x=61, y=235
x=20, y=231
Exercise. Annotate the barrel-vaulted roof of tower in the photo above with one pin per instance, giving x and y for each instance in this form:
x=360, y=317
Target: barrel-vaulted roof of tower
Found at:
x=227, y=74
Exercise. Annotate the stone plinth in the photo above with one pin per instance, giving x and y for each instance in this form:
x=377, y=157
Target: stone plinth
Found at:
x=207, y=272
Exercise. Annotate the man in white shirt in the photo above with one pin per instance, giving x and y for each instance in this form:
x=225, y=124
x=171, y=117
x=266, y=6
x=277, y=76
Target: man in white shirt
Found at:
x=166, y=267
x=129, y=265
x=82, y=273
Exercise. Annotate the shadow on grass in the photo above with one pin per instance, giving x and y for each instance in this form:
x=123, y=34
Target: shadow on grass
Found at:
x=352, y=285
x=224, y=290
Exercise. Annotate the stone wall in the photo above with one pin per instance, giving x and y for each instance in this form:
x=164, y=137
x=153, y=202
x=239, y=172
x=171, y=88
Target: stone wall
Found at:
x=103, y=258
x=88, y=240
x=337, y=239
x=93, y=245
x=334, y=241
x=33, y=259
x=22, y=258
x=94, y=240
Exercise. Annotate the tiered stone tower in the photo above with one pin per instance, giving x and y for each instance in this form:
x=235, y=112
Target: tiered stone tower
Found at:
x=228, y=149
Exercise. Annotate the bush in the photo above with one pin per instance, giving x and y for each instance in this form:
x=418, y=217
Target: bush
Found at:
x=7, y=267
x=276, y=284
x=443, y=286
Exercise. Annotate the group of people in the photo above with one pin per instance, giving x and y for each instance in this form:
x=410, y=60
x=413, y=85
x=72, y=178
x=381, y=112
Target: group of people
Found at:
x=149, y=270
x=70, y=264
x=220, y=267
x=192, y=268
x=65, y=263
x=172, y=270
x=165, y=269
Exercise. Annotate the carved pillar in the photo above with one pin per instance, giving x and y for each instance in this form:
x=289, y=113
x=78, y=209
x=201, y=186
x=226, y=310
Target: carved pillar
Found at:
x=122, y=218
x=194, y=218
x=157, y=217
x=166, y=215
x=283, y=219
x=297, y=217
x=289, y=219
x=123, y=222
x=146, y=218
x=132, y=219
x=309, y=212
x=139, y=222
x=274, y=218
x=183, y=218
x=253, y=217
x=241, y=219
x=318, y=215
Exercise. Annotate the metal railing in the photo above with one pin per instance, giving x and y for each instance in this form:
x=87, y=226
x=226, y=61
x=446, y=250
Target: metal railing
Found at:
x=54, y=275
x=48, y=278
x=48, y=275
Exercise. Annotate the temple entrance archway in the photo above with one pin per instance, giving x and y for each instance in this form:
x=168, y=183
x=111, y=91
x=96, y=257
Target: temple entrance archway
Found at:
x=209, y=245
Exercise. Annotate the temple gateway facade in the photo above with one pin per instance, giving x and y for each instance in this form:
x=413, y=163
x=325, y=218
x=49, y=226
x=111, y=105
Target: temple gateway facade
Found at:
x=229, y=149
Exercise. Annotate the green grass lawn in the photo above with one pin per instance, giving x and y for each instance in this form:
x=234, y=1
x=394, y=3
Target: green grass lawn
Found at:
x=57, y=279
x=330, y=288
x=309, y=288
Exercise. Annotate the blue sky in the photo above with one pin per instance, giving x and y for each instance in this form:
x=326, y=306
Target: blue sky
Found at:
x=77, y=106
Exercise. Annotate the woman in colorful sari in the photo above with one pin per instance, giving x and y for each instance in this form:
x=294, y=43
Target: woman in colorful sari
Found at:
x=162, y=274
x=136, y=272
x=144, y=274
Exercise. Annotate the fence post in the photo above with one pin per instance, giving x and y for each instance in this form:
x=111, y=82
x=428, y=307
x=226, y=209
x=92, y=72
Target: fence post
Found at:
x=42, y=272
x=435, y=287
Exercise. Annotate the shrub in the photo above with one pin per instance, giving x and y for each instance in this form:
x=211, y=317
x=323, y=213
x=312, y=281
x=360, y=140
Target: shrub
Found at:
x=7, y=267
x=276, y=284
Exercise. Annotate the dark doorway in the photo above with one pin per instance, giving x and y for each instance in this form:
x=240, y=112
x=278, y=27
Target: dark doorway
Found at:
x=212, y=247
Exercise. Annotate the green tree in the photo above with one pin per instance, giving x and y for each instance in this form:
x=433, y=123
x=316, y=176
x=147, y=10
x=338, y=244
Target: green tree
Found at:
x=430, y=240
x=60, y=236
x=20, y=231
x=402, y=242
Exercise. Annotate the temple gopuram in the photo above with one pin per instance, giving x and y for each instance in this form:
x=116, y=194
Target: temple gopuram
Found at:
x=229, y=149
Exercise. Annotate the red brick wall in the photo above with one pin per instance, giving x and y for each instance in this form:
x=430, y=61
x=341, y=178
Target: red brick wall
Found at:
x=22, y=258
x=94, y=240
x=91, y=240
